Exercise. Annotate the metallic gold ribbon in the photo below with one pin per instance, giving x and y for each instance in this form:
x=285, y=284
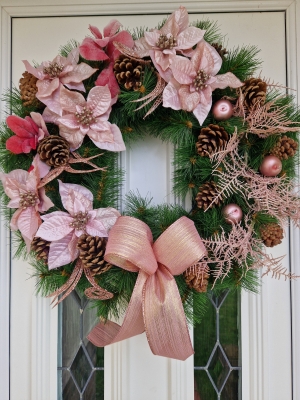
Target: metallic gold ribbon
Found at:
x=155, y=305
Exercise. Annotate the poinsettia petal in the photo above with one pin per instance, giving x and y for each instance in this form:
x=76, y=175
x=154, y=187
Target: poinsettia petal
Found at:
x=189, y=37
x=37, y=72
x=41, y=169
x=99, y=99
x=22, y=127
x=71, y=191
x=171, y=25
x=108, y=216
x=73, y=137
x=182, y=18
x=13, y=182
x=28, y=222
x=59, y=253
x=73, y=57
x=102, y=42
x=78, y=74
x=91, y=51
x=50, y=116
x=183, y=70
x=95, y=31
x=189, y=100
x=107, y=77
x=69, y=100
x=141, y=47
x=47, y=87
x=201, y=112
x=111, y=28
x=69, y=121
x=96, y=228
x=56, y=227
x=45, y=202
x=152, y=37
x=170, y=95
x=40, y=123
x=116, y=145
x=163, y=60
x=14, y=220
x=52, y=101
x=226, y=80
x=17, y=146
x=123, y=37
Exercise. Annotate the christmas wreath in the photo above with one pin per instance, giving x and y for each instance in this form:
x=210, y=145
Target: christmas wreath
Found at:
x=235, y=136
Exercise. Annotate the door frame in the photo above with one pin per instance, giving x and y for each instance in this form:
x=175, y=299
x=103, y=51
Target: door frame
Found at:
x=256, y=382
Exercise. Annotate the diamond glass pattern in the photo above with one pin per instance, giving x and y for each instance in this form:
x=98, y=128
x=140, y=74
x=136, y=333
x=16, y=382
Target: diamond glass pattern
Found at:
x=80, y=364
x=216, y=343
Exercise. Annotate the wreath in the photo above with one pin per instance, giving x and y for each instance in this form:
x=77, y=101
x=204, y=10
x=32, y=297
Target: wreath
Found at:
x=235, y=136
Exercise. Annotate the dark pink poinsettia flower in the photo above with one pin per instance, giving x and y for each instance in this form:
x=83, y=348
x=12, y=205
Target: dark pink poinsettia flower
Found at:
x=175, y=36
x=52, y=75
x=63, y=229
x=87, y=117
x=29, y=131
x=101, y=48
x=194, y=81
x=22, y=188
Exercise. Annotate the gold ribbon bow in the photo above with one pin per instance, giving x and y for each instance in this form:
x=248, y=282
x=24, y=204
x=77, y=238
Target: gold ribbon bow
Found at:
x=155, y=305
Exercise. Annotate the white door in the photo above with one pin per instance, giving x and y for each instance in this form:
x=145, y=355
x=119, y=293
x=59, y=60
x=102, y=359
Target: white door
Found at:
x=131, y=371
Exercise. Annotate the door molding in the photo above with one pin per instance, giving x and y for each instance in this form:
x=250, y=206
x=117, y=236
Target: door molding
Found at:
x=44, y=332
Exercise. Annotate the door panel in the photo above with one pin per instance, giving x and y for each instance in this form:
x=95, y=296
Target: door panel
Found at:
x=142, y=374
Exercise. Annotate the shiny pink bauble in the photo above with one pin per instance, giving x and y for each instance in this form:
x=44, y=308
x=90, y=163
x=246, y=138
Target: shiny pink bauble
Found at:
x=222, y=110
x=270, y=166
x=232, y=213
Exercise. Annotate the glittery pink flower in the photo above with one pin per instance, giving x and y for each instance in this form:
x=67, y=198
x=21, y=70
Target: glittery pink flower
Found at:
x=89, y=117
x=52, y=75
x=29, y=131
x=175, y=36
x=194, y=80
x=21, y=187
x=63, y=229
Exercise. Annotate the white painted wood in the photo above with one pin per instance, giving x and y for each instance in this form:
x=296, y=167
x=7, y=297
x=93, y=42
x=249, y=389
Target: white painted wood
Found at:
x=260, y=376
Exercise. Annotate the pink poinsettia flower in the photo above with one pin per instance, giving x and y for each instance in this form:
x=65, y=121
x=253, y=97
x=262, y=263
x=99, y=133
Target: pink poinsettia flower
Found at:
x=175, y=36
x=29, y=131
x=102, y=49
x=63, y=229
x=89, y=117
x=52, y=75
x=22, y=188
x=194, y=81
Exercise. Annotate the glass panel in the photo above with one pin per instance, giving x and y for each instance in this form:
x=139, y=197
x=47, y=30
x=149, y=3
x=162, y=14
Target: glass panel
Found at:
x=81, y=368
x=203, y=387
x=218, y=368
x=205, y=333
x=95, y=388
x=229, y=329
x=231, y=389
x=80, y=363
x=68, y=387
x=216, y=344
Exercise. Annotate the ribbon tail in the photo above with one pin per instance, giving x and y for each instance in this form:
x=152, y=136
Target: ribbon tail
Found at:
x=133, y=324
x=164, y=317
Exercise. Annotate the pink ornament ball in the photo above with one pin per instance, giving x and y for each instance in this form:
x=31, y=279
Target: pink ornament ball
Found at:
x=270, y=166
x=232, y=213
x=222, y=110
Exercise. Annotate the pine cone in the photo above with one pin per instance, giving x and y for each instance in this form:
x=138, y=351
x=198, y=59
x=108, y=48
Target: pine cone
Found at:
x=28, y=90
x=212, y=138
x=91, y=253
x=54, y=151
x=271, y=234
x=41, y=248
x=222, y=51
x=128, y=72
x=207, y=192
x=197, y=277
x=286, y=147
x=254, y=91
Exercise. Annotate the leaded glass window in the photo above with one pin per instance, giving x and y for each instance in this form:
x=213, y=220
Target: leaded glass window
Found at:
x=217, y=360
x=80, y=363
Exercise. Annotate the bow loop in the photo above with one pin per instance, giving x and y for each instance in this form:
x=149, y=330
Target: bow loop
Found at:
x=155, y=305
